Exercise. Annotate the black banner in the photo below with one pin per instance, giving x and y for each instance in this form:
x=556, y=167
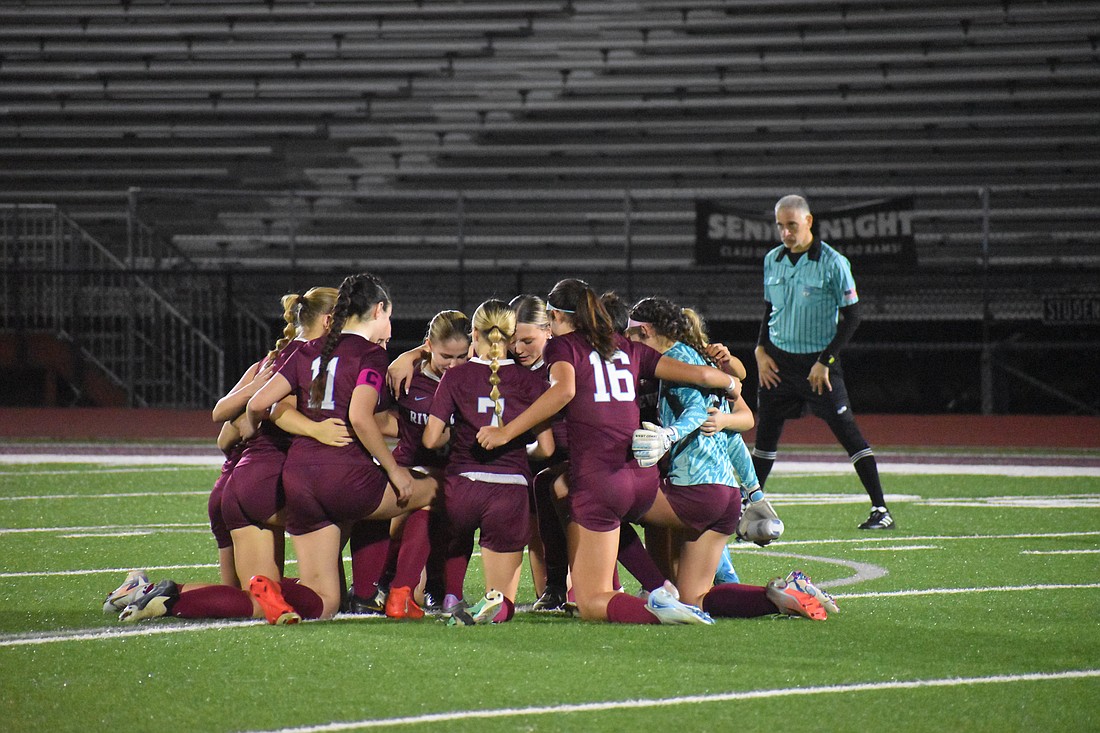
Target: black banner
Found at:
x=874, y=234
x=1071, y=308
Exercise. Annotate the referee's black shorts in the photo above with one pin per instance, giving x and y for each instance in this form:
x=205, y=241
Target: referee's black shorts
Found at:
x=793, y=396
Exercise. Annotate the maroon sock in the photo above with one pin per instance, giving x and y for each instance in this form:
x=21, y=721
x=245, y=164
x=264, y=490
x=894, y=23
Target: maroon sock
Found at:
x=506, y=612
x=370, y=541
x=637, y=561
x=624, y=608
x=213, y=601
x=551, y=531
x=454, y=566
x=390, y=568
x=735, y=600
x=414, y=551
x=454, y=574
x=438, y=541
x=307, y=603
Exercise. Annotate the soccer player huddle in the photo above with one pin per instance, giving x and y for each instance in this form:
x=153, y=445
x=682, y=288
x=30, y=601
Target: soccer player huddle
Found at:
x=522, y=426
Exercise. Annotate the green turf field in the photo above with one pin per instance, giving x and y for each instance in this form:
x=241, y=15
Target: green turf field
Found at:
x=980, y=613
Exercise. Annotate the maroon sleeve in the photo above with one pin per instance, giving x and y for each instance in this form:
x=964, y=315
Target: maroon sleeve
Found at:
x=646, y=358
x=443, y=404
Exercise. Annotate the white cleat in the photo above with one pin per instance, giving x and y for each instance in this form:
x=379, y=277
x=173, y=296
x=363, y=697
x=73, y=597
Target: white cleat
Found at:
x=668, y=610
x=127, y=593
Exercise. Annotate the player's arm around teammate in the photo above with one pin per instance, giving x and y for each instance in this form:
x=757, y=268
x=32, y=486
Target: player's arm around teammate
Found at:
x=487, y=490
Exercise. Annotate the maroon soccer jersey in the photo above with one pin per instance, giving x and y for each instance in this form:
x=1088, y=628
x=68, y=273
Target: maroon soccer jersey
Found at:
x=603, y=414
x=557, y=425
x=413, y=408
x=355, y=361
x=270, y=437
x=463, y=394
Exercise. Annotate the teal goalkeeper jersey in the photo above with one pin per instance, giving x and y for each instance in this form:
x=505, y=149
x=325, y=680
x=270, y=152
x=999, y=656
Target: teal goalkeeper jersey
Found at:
x=806, y=296
x=695, y=458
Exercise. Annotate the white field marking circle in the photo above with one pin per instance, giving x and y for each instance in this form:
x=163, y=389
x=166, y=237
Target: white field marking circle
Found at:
x=592, y=707
x=864, y=570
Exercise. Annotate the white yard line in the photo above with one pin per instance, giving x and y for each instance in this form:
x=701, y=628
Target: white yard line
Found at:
x=86, y=470
x=1060, y=552
x=175, y=626
x=131, y=495
x=596, y=707
x=958, y=591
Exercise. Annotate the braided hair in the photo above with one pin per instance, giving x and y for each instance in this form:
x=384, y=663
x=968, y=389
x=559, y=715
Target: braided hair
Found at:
x=496, y=322
x=302, y=311
x=673, y=322
x=590, y=318
x=358, y=295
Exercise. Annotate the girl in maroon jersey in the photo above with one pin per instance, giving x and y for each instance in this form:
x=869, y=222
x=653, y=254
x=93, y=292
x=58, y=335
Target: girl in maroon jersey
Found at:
x=329, y=488
x=546, y=551
x=487, y=489
x=594, y=375
x=247, y=498
x=446, y=345
x=252, y=499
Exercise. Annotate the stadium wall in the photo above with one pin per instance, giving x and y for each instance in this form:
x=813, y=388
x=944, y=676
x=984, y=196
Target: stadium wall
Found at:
x=994, y=431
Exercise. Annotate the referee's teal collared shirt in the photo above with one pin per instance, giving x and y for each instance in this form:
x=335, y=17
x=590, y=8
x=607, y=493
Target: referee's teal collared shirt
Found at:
x=806, y=296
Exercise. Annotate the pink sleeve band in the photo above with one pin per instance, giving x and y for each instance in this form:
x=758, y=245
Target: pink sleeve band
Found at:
x=371, y=378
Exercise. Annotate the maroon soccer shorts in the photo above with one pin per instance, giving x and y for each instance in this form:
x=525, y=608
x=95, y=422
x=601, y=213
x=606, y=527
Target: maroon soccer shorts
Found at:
x=214, y=510
x=254, y=491
x=502, y=511
x=320, y=494
x=602, y=500
x=705, y=506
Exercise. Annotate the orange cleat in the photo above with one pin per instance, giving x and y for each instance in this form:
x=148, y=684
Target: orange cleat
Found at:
x=270, y=597
x=793, y=602
x=400, y=604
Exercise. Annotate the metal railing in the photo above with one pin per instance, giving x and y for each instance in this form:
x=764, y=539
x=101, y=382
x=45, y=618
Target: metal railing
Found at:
x=59, y=279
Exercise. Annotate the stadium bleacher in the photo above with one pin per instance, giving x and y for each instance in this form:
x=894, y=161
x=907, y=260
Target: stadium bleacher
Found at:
x=531, y=133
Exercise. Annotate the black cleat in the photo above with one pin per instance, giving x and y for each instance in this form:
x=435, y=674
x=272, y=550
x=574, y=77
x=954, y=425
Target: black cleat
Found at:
x=552, y=599
x=374, y=606
x=879, y=519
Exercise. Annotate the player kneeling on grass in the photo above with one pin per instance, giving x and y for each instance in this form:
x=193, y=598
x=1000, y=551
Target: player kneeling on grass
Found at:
x=698, y=496
x=138, y=599
x=486, y=489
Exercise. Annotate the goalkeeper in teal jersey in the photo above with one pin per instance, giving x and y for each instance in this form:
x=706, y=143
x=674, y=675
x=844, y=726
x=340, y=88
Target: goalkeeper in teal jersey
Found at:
x=701, y=486
x=701, y=481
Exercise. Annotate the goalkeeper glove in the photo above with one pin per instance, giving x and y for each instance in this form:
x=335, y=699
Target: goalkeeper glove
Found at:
x=759, y=522
x=651, y=442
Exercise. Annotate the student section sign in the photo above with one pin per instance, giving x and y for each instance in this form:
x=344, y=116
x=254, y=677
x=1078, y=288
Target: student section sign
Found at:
x=874, y=234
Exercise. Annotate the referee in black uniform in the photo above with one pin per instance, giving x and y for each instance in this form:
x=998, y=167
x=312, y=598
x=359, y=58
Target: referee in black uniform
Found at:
x=811, y=311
